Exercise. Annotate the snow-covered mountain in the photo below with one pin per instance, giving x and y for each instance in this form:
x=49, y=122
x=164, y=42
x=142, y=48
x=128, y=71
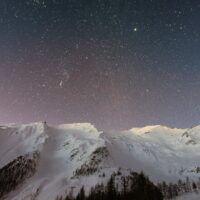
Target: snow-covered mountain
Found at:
x=54, y=160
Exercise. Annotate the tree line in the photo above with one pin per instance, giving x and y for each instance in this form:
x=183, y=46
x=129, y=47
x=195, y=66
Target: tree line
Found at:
x=135, y=186
x=172, y=190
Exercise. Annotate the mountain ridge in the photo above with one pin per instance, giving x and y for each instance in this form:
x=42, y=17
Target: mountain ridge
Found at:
x=73, y=155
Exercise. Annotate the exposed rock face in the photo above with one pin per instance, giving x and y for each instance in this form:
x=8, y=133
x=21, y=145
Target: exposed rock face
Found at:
x=93, y=164
x=17, y=171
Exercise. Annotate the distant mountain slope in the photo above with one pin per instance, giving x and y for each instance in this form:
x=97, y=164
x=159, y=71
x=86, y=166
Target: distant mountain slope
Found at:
x=72, y=155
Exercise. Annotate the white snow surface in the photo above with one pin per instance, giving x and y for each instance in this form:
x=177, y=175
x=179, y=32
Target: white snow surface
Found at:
x=190, y=196
x=162, y=153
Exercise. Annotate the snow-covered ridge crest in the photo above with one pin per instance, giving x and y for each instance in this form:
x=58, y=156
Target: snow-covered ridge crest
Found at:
x=85, y=127
x=155, y=128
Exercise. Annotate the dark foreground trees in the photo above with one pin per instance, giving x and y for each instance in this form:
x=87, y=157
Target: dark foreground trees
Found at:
x=133, y=187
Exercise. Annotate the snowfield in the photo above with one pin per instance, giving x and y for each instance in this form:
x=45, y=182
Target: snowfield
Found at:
x=73, y=155
x=193, y=196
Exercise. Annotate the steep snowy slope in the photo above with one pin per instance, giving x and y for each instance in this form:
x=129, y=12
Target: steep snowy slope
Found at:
x=16, y=140
x=72, y=155
x=161, y=152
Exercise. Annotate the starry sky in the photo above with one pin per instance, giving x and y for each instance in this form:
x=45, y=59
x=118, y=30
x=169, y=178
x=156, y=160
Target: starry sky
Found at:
x=114, y=63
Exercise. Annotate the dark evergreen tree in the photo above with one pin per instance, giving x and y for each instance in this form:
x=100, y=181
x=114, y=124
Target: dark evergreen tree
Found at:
x=194, y=186
x=188, y=185
x=110, y=189
x=81, y=195
x=124, y=186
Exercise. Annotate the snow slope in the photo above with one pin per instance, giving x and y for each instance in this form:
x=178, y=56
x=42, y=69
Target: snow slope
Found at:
x=73, y=155
x=190, y=196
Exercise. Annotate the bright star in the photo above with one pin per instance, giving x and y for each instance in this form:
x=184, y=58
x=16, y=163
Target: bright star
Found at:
x=61, y=84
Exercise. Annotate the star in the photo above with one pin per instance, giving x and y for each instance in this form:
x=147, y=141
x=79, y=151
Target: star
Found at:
x=61, y=84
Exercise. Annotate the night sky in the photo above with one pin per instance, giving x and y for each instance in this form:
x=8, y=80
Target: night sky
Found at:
x=114, y=63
